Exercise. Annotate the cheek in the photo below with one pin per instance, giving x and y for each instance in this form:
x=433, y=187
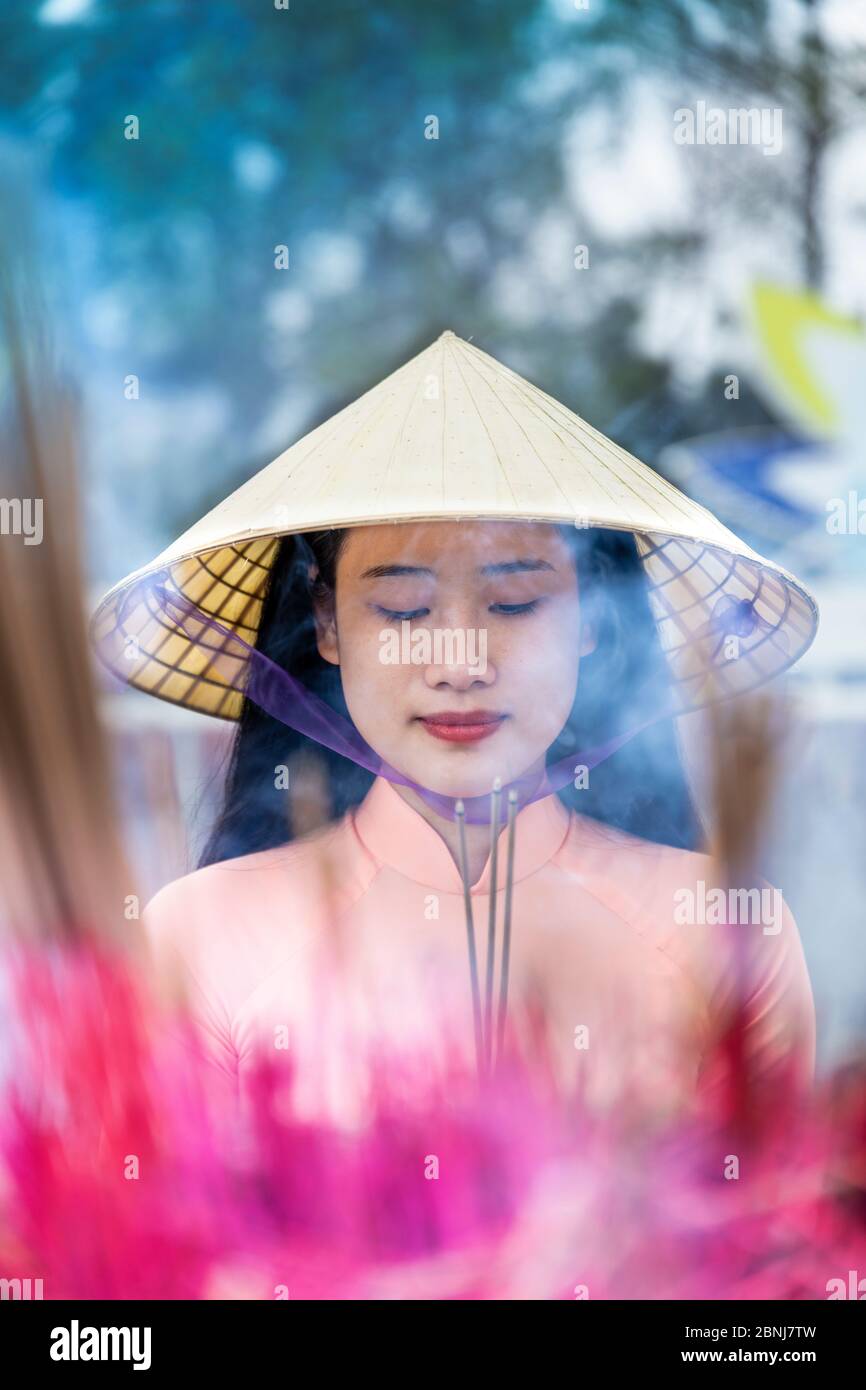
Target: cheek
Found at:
x=542, y=660
x=373, y=689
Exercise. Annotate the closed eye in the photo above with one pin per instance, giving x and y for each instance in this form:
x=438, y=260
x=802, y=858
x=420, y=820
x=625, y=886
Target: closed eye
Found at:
x=513, y=609
x=394, y=616
x=508, y=610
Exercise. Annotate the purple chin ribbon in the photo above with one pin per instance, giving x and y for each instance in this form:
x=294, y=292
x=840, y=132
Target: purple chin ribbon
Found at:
x=280, y=695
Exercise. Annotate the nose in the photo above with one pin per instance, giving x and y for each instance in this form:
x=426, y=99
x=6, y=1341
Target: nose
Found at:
x=459, y=659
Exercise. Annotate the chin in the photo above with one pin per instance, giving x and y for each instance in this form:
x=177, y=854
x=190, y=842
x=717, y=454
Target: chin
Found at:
x=479, y=783
x=464, y=775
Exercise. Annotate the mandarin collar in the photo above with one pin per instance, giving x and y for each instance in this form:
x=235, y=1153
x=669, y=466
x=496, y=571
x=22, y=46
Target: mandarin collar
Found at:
x=397, y=835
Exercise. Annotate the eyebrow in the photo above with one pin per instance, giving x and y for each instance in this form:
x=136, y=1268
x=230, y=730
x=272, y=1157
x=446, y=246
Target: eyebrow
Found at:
x=502, y=567
x=390, y=571
x=516, y=567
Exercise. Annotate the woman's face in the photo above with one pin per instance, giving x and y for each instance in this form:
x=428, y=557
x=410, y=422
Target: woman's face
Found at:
x=458, y=644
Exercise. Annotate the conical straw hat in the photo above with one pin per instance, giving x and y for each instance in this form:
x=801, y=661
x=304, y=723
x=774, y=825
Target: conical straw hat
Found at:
x=456, y=434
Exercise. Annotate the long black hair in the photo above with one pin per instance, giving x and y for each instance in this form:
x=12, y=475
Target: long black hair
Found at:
x=641, y=788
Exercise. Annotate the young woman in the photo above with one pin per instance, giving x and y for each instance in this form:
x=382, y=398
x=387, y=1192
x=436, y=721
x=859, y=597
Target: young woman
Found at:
x=459, y=651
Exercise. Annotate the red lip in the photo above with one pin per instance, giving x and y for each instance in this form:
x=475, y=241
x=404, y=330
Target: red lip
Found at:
x=463, y=726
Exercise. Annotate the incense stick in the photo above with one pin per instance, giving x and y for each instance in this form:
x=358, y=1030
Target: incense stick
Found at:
x=460, y=813
x=495, y=797
x=506, y=931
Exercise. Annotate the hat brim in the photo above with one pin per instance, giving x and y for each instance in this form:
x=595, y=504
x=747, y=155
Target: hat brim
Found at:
x=454, y=435
x=701, y=597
